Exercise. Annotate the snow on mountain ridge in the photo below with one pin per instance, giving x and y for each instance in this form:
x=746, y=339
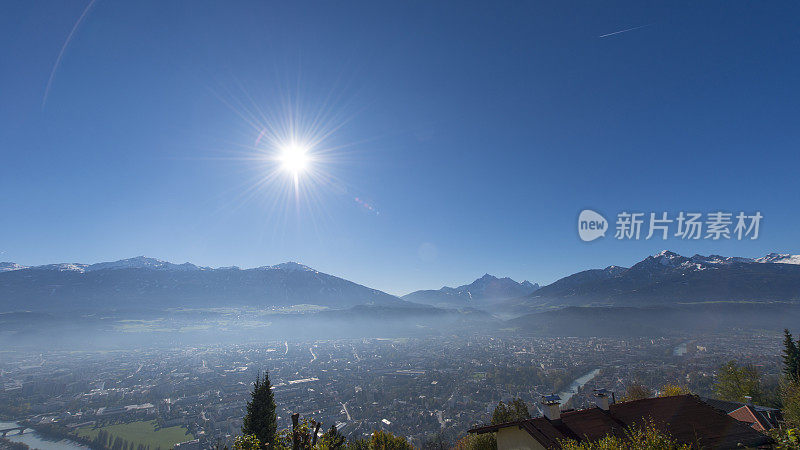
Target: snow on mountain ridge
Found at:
x=63, y=267
x=141, y=262
x=779, y=258
x=701, y=262
x=290, y=266
x=9, y=266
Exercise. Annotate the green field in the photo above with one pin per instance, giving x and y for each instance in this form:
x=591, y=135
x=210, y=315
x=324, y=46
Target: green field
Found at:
x=143, y=432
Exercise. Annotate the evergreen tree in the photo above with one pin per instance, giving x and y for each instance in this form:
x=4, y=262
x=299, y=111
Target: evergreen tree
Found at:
x=791, y=357
x=260, y=419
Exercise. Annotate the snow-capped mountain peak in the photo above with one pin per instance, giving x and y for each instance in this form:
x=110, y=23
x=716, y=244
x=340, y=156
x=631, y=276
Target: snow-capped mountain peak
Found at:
x=615, y=270
x=779, y=258
x=671, y=260
x=289, y=266
x=666, y=258
x=9, y=266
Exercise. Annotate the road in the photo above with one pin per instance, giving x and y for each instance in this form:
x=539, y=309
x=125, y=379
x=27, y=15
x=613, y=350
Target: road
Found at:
x=346, y=412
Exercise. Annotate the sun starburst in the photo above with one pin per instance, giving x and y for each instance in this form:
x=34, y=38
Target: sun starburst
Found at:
x=292, y=160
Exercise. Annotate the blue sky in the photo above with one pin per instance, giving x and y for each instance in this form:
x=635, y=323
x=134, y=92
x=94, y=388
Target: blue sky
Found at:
x=476, y=132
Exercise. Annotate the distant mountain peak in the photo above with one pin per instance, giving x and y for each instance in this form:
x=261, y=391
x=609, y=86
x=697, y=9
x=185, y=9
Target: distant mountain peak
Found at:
x=487, y=288
x=528, y=284
x=9, y=266
x=779, y=258
x=290, y=266
x=63, y=267
x=140, y=262
x=668, y=258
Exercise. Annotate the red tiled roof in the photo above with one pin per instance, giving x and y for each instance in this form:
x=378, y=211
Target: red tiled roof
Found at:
x=685, y=417
x=747, y=415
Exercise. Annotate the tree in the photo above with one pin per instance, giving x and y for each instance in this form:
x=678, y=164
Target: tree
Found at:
x=791, y=357
x=512, y=412
x=636, y=392
x=246, y=442
x=785, y=438
x=358, y=444
x=435, y=442
x=735, y=382
x=301, y=436
x=645, y=436
x=790, y=396
x=333, y=439
x=485, y=441
x=669, y=390
x=260, y=420
x=383, y=440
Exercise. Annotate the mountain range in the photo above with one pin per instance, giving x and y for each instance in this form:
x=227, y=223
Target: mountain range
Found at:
x=481, y=293
x=662, y=279
x=669, y=278
x=150, y=283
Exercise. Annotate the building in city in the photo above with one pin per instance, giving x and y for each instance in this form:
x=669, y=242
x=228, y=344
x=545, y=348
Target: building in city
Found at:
x=686, y=418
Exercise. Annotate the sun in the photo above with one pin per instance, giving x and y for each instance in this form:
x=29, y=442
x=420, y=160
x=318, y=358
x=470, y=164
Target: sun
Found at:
x=294, y=158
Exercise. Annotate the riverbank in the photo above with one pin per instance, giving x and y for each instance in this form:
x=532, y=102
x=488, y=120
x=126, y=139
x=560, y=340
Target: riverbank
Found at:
x=576, y=385
x=37, y=439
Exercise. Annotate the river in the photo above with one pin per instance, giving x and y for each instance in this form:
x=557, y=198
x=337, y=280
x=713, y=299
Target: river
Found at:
x=35, y=440
x=577, y=384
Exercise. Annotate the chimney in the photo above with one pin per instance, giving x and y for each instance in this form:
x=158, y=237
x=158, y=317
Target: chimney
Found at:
x=551, y=405
x=601, y=399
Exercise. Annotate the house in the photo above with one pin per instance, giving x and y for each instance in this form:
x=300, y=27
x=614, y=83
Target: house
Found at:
x=760, y=418
x=686, y=417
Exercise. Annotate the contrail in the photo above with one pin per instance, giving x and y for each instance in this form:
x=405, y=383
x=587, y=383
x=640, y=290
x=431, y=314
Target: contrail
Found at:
x=624, y=31
x=63, y=48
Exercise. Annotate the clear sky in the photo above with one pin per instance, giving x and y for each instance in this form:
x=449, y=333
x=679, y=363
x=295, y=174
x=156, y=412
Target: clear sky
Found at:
x=464, y=138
